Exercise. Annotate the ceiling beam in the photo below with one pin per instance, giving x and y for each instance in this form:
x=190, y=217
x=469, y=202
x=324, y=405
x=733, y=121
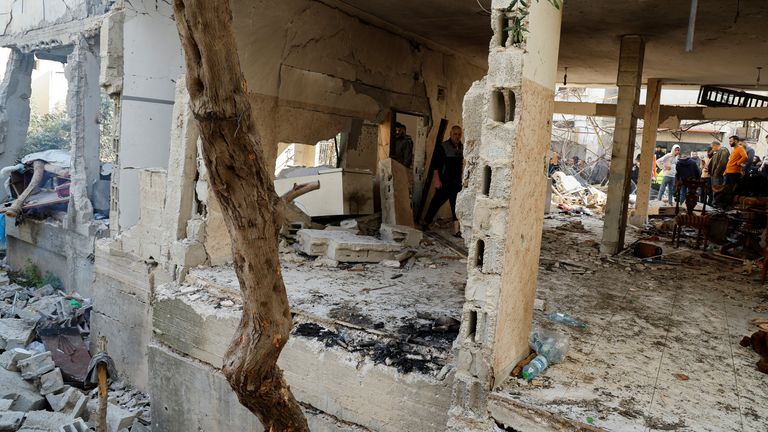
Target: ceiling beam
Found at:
x=667, y=112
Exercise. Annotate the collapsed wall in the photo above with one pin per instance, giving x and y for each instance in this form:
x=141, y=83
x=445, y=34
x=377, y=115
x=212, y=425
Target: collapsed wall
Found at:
x=65, y=32
x=312, y=72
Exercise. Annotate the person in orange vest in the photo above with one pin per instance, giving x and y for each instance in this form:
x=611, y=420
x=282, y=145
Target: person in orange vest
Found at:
x=733, y=170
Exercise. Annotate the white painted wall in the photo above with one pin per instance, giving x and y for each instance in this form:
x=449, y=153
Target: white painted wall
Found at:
x=49, y=87
x=152, y=63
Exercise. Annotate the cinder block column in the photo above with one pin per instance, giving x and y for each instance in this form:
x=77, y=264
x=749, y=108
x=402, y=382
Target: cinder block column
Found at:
x=507, y=118
x=83, y=106
x=650, y=125
x=628, y=81
x=15, y=91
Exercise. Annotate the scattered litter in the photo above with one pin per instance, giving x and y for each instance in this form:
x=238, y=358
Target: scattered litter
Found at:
x=567, y=320
x=681, y=377
x=550, y=348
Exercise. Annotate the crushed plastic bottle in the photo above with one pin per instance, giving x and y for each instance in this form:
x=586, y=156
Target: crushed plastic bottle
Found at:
x=566, y=319
x=550, y=348
x=535, y=367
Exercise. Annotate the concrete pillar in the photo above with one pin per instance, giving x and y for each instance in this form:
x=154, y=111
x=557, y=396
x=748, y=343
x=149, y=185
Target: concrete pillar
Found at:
x=628, y=81
x=83, y=106
x=507, y=118
x=15, y=91
x=650, y=125
x=182, y=168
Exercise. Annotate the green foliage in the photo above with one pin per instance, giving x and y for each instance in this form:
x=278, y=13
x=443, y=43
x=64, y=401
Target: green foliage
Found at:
x=52, y=280
x=53, y=131
x=47, y=132
x=29, y=276
x=518, y=11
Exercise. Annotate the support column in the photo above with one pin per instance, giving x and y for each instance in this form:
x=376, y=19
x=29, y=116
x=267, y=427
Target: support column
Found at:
x=83, y=106
x=628, y=81
x=507, y=118
x=15, y=91
x=650, y=126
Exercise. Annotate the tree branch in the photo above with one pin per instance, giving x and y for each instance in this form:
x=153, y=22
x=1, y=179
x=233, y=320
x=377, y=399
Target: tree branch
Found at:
x=244, y=187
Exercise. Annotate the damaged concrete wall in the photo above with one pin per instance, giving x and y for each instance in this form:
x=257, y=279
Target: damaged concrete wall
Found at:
x=20, y=16
x=314, y=71
x=15, y=92
x=151, y=62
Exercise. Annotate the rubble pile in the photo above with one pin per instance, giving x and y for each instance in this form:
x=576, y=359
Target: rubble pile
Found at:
x=44, y=362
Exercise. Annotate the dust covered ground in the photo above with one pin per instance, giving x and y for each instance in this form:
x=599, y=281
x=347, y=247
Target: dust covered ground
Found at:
x=661, y=351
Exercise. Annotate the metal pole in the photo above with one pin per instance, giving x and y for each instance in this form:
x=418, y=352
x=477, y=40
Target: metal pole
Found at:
x=691, y=26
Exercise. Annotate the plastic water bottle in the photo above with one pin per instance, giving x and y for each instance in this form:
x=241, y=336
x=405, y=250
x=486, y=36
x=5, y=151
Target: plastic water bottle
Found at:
x=567, y=320
x=535, y=367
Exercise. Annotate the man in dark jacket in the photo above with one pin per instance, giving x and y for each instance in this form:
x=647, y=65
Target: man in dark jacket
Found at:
x=447, y=166
x=718, y=163
x=402, y=146
x=687, y=168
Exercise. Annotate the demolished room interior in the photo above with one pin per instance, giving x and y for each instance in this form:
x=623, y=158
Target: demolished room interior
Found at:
x=395, y=327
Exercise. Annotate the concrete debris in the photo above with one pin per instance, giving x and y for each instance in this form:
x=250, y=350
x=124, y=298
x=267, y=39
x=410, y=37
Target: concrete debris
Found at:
x=343, y=246
x=10, y=358
x=14, y=333
x=44, y=421
x=35, y=366
x=51, y=382
x=119, y=419
x=11, y=420
x=23, y=393
x=70, y=401
x=77, y=425
x=572, y=190
x=405, y=235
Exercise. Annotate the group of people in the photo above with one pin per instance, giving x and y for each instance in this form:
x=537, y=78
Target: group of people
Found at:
x=721, y=166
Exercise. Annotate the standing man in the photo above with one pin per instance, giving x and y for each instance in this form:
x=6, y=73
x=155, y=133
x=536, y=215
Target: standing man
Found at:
x=402, y=146
x=447, y=163
x=750, y=154
x=718, y=163
x=687, y=168
x=668, y=165
x=736, y=161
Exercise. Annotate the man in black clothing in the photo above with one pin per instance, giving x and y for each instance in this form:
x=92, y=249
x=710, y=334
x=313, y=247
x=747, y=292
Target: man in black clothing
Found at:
x=447, y=163
x=402, y=146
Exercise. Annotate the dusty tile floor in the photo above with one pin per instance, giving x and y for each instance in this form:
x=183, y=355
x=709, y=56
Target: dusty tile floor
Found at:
x=662, y=348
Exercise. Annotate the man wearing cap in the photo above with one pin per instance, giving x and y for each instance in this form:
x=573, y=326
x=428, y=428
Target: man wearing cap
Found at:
x=402, y=146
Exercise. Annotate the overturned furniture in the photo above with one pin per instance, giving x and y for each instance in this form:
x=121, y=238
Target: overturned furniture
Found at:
x=40, y=180
x=345, y=191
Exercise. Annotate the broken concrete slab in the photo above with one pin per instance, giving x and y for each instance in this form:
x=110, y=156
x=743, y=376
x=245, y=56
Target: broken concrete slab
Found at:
x=38, y=364
x=405, y=235
x=23, y=393
x=5, y=404
x=118, y=418
x=344, y=246
x=44, y=421
x=11, y=420
x=67, y=398
x=77, y=425
x=14, y=333
x=9, y=358
x=51, y=382
x=139, y=427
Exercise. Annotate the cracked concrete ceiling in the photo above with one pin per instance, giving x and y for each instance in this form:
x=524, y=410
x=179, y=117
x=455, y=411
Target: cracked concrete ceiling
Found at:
x=730, y=40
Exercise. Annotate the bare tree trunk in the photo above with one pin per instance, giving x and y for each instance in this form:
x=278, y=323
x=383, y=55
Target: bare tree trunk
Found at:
x=252, y=210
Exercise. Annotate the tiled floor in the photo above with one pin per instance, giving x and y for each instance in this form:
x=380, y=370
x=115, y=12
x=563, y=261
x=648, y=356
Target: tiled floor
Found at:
x=662, y=348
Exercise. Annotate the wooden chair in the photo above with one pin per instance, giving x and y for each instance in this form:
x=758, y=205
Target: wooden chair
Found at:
x=700, y=222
